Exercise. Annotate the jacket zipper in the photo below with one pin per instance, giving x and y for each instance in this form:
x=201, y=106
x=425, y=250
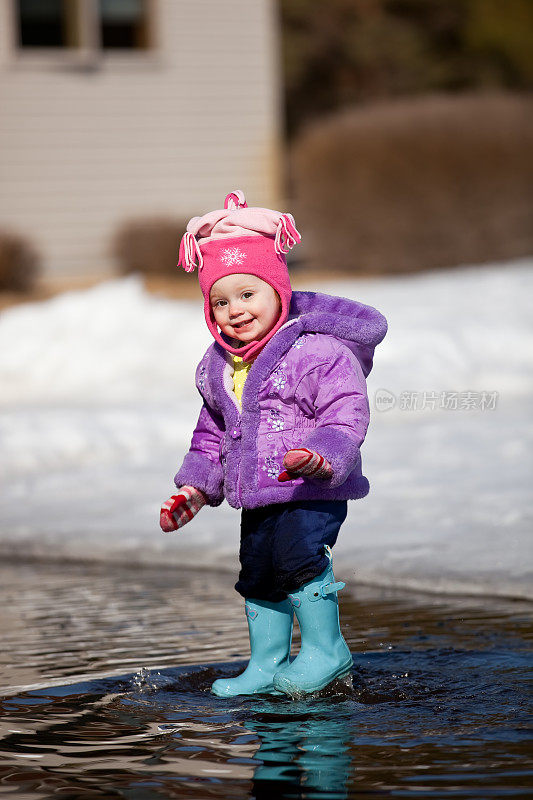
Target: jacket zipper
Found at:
x=238, y=487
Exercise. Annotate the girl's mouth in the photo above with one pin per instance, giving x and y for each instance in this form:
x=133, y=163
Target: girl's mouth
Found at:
x=241, y=325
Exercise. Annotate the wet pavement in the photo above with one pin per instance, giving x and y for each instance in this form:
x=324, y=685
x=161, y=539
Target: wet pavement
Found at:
x=105, y=675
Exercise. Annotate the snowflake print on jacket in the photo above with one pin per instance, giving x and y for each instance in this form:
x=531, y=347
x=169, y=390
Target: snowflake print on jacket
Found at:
x=233, y=255
x=279, y=376
x=201, y=378
x=300, y=341
x=275, y=420
x=272, y=467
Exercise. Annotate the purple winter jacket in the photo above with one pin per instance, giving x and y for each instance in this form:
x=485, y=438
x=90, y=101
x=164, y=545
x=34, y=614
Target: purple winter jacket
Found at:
x=306, y=388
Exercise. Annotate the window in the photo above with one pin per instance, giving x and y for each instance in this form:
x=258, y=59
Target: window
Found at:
x=123, y=24
x=48, y=23
x=89, y=24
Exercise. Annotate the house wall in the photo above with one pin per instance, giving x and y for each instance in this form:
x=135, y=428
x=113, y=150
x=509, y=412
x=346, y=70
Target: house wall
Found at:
x=87, y=142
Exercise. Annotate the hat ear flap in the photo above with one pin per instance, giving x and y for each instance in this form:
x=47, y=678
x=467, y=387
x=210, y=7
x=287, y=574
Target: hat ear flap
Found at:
x=235, y=200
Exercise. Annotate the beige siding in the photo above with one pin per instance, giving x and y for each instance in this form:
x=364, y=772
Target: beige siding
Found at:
x=171, y=131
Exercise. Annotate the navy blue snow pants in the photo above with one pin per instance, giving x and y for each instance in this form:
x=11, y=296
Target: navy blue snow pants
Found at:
x=282, y=545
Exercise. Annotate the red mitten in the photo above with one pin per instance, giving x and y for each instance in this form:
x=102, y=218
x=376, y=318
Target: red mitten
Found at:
x=178, y=510
x=305, y=462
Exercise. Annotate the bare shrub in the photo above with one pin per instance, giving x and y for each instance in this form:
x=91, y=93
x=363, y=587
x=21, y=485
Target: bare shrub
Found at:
x=20, y=263
x=411, y=184
x=149, y=246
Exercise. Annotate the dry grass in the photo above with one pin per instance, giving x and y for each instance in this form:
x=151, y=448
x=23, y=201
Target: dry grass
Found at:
x=416, y=184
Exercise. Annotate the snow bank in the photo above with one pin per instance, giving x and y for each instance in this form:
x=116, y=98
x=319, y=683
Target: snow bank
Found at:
x=111, y=344
x=97, y=406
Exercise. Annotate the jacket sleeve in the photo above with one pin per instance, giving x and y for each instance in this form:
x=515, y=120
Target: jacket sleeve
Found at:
x=201, y=466
x=336, y=392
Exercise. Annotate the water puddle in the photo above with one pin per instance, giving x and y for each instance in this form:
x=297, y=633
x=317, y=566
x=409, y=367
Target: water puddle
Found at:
x=106, y=674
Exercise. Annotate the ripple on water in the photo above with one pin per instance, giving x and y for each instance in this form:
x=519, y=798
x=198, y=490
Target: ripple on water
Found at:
x=438, y=706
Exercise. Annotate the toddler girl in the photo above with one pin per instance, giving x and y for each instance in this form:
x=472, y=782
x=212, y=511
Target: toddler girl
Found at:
x=284, y=414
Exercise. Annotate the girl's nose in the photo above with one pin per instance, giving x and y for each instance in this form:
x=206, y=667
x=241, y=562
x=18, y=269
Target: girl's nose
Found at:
x=235, y=310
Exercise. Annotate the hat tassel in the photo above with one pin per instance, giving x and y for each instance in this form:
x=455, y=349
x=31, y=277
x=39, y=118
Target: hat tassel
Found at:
x=286, y=234
x=189, y=249
x=235, y=200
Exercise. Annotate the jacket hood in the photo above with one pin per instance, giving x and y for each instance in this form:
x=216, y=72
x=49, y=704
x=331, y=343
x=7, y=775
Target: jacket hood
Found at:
x=358, y=326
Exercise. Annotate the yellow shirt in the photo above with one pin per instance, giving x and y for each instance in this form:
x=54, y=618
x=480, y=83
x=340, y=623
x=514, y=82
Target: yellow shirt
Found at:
x=240, y=373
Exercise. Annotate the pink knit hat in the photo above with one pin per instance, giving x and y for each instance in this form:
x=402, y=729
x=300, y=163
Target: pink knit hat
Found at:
x=239, y=239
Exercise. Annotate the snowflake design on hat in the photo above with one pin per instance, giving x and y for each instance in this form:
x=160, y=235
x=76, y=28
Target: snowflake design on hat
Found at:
x=233, y=255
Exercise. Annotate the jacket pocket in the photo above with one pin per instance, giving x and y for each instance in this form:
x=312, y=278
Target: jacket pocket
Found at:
x=294, y=437
x=287, y=438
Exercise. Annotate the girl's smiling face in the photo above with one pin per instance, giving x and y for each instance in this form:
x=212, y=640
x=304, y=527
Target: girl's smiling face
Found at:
x=244, y=306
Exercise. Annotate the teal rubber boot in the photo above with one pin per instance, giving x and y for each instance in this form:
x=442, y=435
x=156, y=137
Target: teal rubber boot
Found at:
x=270, y=631
x=324, y=655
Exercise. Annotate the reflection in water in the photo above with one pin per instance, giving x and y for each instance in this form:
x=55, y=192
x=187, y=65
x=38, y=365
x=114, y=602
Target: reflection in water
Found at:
x=302, y=747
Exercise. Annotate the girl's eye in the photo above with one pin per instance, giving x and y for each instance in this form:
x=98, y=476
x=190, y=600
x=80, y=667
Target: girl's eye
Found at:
x=219, y=302
x=249, y=294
